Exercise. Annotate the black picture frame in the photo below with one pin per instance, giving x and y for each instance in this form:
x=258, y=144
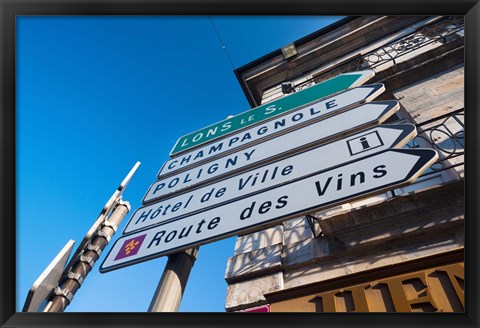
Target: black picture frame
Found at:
x=9, y=9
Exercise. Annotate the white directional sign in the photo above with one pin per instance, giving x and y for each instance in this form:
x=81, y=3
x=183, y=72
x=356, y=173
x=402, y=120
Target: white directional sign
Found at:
x=352, y=120
x=360, y=178
x=364, y=143
x=275, y=126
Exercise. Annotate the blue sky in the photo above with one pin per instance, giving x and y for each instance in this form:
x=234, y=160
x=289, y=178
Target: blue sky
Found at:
x=97, y=94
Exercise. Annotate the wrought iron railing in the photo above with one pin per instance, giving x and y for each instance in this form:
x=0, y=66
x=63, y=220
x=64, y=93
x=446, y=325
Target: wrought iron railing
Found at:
x=445, y=134
x=443, y=31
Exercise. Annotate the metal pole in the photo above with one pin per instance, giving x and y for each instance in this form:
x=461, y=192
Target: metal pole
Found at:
x=174, y=279
x=65, y=292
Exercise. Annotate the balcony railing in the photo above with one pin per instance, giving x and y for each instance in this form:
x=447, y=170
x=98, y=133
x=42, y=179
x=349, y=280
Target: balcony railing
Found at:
x=445, y=30
x=445, y=134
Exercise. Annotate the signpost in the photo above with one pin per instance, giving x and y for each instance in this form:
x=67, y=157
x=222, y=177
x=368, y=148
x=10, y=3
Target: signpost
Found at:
x=278, y=125
x=364, y=143
x=344, y=123
x=360, y=178
x=302, y=153
x=271, y=109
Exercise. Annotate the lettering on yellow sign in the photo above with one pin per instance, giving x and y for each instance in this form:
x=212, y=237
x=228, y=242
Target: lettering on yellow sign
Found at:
x=438, y=289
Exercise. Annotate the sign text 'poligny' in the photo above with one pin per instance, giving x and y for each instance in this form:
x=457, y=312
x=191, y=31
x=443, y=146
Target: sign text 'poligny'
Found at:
x=266, y=111
x=360, y=178
x=273, y=149
x=273, y=127
x=364, y=143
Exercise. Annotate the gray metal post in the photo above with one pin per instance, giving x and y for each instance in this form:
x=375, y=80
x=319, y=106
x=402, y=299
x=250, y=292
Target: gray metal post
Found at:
x=174, y=279
x=64, y=293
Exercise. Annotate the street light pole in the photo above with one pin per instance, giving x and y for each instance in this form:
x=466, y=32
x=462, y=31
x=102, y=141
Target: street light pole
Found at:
x=57, y=285
x=81, y=268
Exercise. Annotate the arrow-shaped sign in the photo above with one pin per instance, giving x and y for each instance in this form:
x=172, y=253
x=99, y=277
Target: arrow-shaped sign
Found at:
x=270, y=128
x=104, y=213
x=358, y=179
x=323, y=131
x=48, y=280
x=266, y=111
x=364, y=143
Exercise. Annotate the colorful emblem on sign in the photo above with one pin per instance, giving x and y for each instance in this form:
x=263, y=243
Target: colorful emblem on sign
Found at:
x=130, y=247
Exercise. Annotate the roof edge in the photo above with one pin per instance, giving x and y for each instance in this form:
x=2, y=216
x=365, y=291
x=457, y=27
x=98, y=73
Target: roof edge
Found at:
x=239, y=71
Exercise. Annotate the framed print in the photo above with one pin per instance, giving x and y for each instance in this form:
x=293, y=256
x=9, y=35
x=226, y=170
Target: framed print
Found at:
x=196, y=163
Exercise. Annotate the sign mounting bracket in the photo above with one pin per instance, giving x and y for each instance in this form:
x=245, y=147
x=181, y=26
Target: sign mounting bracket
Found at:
x=312, y=222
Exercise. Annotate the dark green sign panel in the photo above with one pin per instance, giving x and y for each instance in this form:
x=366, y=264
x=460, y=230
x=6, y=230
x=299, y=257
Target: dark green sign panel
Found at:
x=272, y=109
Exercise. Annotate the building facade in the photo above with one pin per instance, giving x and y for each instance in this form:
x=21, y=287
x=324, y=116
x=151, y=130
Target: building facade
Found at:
x=398, y=251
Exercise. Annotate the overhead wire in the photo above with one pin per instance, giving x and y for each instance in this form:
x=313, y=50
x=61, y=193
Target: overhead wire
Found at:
x=224, y=47
x=221, y=42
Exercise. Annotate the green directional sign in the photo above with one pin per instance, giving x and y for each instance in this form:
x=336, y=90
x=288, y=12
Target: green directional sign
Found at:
x=271, y=109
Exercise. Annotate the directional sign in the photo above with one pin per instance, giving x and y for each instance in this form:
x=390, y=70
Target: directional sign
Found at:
x=266, y=111
x=273, y=127
x=357, y=179
x=364, y=143
x=48, y=280
x=104, y=213
x=366, y=115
